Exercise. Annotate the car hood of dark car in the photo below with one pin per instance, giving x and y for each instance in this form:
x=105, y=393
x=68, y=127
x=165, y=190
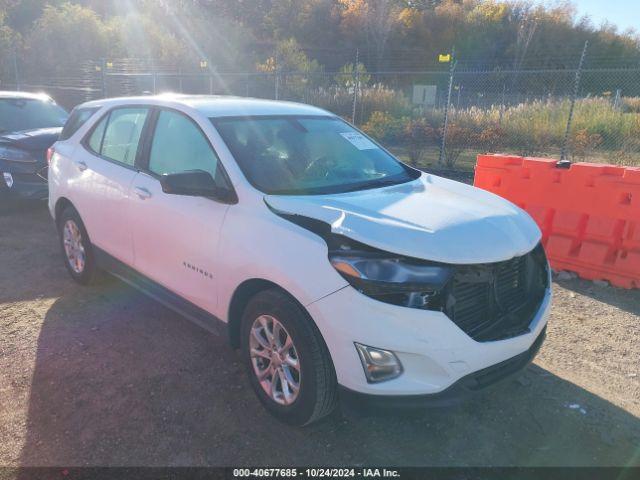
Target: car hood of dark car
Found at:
x=38, y=139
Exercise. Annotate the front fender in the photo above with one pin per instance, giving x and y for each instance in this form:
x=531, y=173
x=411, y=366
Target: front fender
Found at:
x=256, y=243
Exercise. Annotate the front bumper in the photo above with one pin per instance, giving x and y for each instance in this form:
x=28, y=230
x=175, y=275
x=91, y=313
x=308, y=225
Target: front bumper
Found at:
x=456, y=393
x=435, y=353
x=29, y=181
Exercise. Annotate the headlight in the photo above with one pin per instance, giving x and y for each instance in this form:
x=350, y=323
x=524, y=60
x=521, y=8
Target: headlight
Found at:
x=391, y=278
x=15, y=155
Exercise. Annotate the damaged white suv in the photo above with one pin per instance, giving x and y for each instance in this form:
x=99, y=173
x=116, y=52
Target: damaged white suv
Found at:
x=339, y=272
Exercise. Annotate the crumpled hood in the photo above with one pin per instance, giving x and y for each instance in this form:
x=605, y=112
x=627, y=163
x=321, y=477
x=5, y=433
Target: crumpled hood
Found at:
x=431, y=218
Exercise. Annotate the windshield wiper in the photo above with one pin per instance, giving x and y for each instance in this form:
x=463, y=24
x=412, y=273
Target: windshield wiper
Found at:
x=376, y=184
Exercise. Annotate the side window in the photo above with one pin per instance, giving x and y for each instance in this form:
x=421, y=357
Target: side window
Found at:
x=179, y=145
x=118, y=134
x=95, y=141
x=122, y=135
x=78, y=117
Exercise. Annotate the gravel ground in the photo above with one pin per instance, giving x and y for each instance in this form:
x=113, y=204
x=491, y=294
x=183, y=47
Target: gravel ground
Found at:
x=104, y=376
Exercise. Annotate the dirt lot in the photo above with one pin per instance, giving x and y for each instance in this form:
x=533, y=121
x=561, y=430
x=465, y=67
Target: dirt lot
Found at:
x=104, y=376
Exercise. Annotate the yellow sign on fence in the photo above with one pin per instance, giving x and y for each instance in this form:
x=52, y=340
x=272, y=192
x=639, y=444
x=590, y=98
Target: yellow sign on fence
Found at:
x=442, y=58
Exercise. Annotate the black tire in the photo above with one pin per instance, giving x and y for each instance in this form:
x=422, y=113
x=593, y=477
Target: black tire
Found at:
x=318, y=393
x=88, y=274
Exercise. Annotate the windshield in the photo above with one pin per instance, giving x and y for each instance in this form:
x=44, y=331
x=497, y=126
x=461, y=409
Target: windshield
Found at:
x=295, y=155
x=18, y=114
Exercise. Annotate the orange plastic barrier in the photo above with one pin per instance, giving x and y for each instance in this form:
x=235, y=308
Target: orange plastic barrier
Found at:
x=589, y=214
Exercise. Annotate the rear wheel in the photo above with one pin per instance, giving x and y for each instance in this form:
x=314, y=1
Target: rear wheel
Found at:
x=286, y=359
x=77, y=250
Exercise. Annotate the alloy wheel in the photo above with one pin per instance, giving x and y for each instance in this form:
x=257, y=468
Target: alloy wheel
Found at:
x=275, y=360
x=73, y=248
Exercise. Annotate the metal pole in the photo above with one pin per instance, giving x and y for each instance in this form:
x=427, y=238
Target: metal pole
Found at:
x=452, y=68
x=576, y=87
x=210, y=84
x=616, y=100
x=503, y=103
x=103, y=70
x=15, y=68
x=356, y=81
x=155, y=81
x=277, y=80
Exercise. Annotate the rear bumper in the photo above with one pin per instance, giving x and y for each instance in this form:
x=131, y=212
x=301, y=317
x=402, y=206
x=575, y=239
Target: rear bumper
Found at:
x=453, y=395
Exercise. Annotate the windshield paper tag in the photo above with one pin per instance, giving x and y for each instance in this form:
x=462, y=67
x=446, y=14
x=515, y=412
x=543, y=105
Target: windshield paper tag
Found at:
x=359, y=141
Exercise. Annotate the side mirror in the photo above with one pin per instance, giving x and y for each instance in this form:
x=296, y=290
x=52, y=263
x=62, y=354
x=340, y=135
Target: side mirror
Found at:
x=195, y=183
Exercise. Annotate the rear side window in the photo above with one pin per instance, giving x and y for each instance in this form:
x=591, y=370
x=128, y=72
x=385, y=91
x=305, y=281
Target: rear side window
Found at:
x=117, y=136
x=79, y=117
x=95, y=141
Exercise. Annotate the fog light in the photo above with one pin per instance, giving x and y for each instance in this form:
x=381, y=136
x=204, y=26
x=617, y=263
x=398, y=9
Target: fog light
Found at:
x=8, y=179
x=379, y=365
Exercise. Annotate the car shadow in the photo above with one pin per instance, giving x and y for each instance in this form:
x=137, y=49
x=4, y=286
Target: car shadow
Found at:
x=120, y=380
x=32, y=266
x=11, y=206
x=624, y=299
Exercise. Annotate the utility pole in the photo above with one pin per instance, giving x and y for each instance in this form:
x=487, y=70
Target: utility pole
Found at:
x=15, y=68
x=452, y=67
x=356, y=85
x=277, y=81
x=103, y=71
x=564, y=162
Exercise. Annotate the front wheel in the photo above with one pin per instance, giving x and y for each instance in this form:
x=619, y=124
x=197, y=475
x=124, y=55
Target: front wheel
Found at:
x=286, y=359
x=76, y=248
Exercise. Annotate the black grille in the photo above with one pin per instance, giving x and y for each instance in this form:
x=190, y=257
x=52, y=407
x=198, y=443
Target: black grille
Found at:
x=495, y=301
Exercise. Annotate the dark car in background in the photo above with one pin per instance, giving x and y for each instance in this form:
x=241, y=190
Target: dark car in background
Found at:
x=29, y=125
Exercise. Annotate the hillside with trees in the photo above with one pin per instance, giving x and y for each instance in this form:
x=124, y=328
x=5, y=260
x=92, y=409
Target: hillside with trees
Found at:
x=514, y=78
x=46, y=36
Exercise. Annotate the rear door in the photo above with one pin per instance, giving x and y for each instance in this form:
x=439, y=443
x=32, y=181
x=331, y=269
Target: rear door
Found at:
x=175, y=236
x=106, y=169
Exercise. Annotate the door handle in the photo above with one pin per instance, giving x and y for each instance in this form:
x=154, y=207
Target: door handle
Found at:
x=142, y=193
x=82, y=165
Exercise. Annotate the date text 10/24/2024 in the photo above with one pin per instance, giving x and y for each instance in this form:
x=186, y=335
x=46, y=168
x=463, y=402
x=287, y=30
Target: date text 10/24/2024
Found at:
x=316, y=473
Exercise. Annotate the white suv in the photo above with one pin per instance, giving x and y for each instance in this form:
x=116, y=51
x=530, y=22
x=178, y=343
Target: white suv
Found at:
x=337, y=270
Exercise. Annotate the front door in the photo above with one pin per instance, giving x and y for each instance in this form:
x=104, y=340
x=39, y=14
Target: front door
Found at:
x=175, y=236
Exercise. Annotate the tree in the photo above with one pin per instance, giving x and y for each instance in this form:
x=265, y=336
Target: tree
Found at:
x=65, y=35
x=233, y=34
x=8, y=50
x=292, y=65
x=376, y=18
x=350, y=75
x=223, y=42
x=137, y=35
x=21, y=14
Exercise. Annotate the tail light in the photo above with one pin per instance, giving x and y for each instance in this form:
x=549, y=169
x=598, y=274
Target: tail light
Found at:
x=50, y=152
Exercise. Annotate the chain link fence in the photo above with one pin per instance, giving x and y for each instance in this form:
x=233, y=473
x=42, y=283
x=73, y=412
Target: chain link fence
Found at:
x=583, y=114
